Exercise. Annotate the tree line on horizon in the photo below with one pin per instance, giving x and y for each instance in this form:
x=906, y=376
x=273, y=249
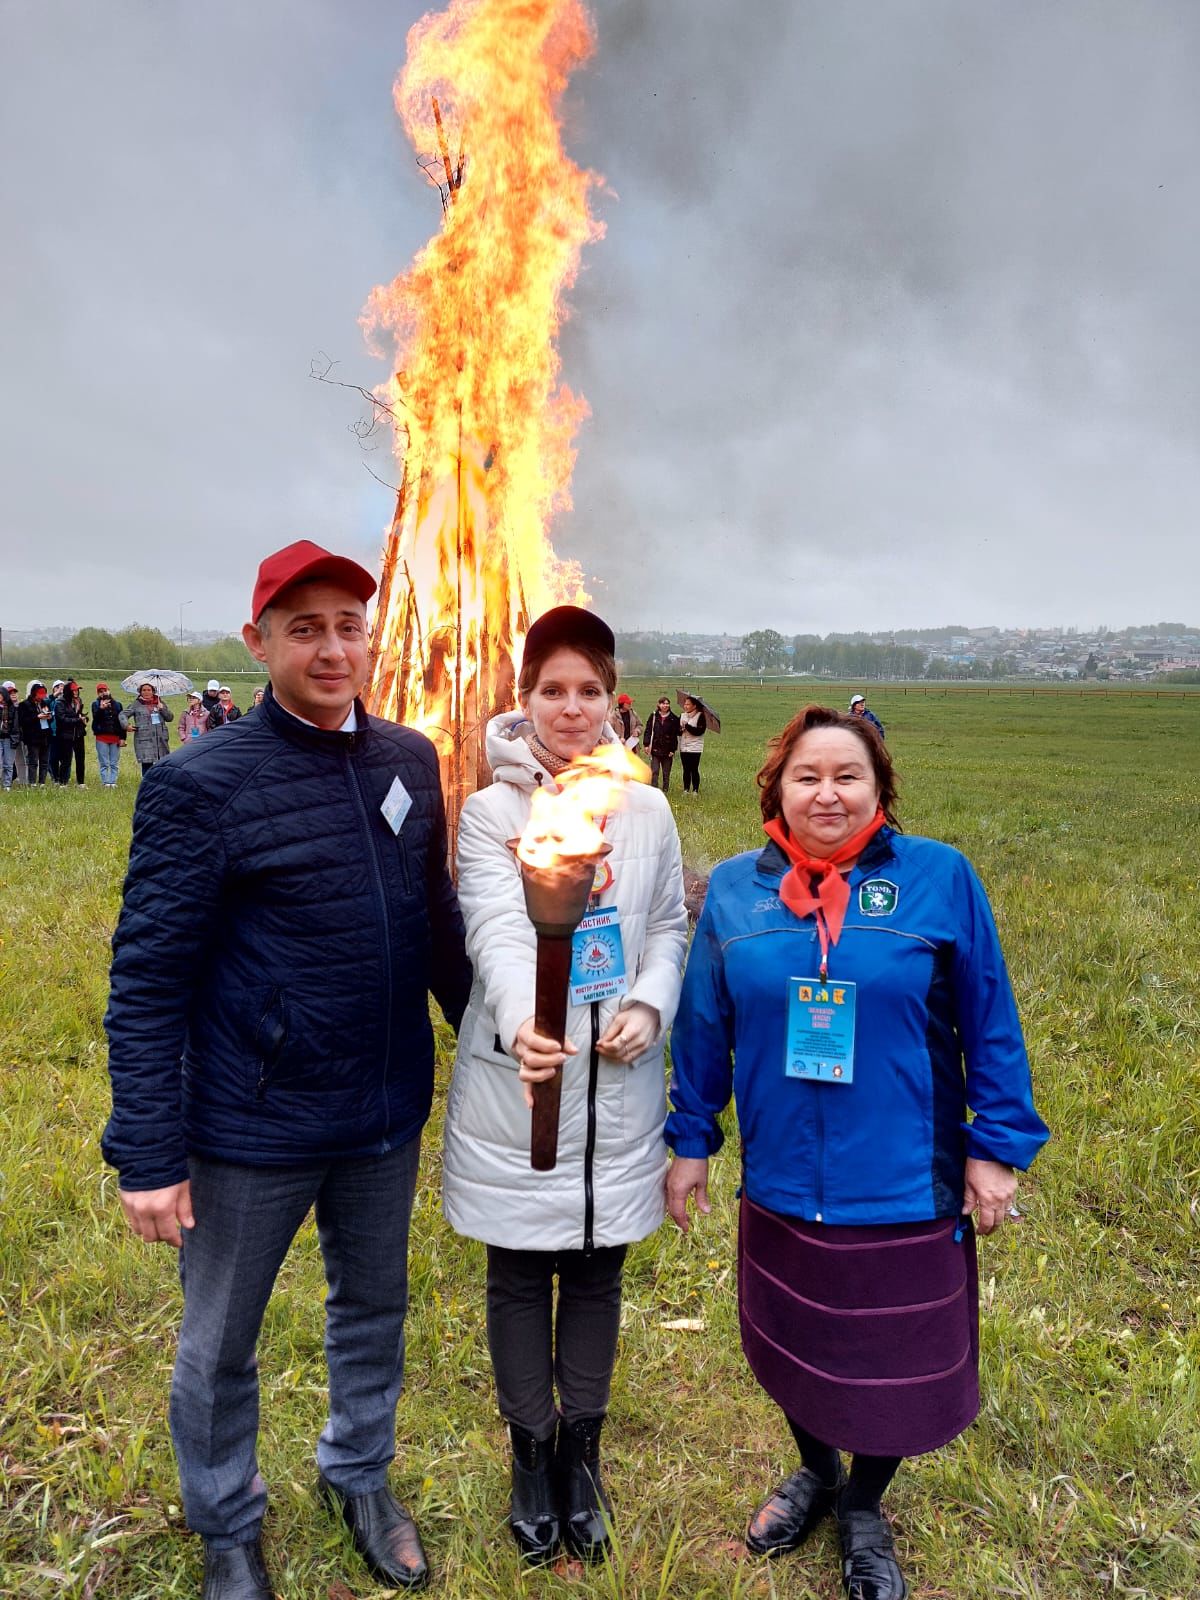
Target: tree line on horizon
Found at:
x=130, y=649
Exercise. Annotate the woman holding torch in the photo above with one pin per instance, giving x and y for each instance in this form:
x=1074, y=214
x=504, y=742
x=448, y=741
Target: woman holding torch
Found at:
x=846, y=985
x=605, y=1189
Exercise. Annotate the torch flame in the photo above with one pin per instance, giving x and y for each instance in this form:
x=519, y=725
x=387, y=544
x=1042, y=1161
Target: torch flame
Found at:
x=483, y=426
x=567, y=824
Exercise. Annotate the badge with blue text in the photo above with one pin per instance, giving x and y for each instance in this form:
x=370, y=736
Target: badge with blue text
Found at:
x=820, y=1031
x=877, y=897
x=598, y=958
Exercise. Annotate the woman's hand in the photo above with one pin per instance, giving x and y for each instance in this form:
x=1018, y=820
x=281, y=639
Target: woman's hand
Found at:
x=538, y=1057
x=685, y=1175
x=988, y=1190
x=630, y=1033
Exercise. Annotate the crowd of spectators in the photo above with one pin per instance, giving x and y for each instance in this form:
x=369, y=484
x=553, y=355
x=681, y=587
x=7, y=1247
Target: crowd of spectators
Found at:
x=45, y=734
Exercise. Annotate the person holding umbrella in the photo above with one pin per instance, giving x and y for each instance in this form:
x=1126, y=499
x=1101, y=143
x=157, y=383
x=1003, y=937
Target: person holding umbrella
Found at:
x=692, y=727
x=147, y=718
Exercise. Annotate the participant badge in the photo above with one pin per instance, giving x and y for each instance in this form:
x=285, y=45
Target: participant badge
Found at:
x=598, y=958
x=877, y=897
x=820, y=1030
x=397, y=803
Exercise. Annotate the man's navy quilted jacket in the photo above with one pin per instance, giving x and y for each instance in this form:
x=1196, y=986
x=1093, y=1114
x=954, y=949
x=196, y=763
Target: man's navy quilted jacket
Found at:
x=276, y=949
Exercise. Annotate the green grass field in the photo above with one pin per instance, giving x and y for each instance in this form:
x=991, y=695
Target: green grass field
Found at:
x=1082, y=1474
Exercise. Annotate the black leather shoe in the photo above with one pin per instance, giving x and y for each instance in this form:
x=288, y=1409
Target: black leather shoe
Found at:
x=785, y=1520
x=384, y=1534
x=237, y=1574
x=534, y=1515
x=869, y=1569
x=586, y=1510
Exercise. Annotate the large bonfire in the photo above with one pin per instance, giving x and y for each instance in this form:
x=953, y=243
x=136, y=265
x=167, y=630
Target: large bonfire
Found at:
x=483, y=426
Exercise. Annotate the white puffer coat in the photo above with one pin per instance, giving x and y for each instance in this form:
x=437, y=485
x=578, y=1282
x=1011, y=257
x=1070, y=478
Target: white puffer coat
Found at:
x=614, y=1194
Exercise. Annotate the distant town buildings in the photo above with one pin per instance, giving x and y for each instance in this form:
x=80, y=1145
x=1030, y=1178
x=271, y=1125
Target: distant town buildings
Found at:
x=1064, y=654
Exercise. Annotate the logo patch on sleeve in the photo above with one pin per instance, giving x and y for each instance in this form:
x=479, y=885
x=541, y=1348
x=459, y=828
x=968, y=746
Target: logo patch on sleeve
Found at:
x=877, y=897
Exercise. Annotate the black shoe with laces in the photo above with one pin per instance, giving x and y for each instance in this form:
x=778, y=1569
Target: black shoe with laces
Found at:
x=237, y=1574
x=787, y=1517
x=869, y=1567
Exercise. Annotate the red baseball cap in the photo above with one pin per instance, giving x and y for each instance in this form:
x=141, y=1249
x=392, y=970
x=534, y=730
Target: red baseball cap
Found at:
x=301, y=561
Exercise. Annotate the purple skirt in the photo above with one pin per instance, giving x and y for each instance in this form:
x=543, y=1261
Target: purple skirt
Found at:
x=867, y=1337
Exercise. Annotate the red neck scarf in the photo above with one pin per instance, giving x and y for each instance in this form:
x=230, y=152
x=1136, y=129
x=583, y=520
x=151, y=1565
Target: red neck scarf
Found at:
x=828, y=901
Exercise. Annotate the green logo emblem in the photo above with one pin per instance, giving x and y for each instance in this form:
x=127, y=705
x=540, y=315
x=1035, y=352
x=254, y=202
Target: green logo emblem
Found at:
x=877, y=897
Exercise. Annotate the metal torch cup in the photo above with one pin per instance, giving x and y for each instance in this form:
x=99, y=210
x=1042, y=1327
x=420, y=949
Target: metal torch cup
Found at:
x=555, y=899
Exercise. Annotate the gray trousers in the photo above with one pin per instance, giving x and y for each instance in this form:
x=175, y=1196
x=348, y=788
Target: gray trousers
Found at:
x=532, y=1348
x=246, y=1218
x=660, y=767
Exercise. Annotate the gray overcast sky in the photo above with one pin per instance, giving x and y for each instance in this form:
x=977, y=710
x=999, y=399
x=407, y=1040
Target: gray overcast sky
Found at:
x=895, y=323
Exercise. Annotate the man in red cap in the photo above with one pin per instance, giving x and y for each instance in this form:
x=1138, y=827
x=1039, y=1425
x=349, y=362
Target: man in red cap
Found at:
x=327, y=899
x=626, y=722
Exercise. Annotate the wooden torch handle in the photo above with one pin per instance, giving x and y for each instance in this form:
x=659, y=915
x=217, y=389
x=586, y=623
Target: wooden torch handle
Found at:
x=550, y=1019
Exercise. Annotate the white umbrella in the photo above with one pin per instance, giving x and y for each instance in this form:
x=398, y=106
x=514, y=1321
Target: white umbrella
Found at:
x=164, y=680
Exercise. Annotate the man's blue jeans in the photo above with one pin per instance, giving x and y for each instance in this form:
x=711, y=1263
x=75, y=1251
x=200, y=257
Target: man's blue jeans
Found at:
x=109, y=757
x=8, y=762
x=246, y=1218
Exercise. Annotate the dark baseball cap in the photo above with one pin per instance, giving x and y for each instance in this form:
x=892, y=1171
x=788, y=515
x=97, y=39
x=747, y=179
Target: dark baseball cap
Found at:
x=569, y=626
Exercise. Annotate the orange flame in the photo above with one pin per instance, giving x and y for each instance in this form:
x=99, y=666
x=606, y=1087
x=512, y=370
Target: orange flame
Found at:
x=484, y=428
x=568, y=823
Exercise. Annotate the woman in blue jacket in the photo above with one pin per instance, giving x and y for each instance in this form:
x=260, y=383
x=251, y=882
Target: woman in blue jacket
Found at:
x=846, y=985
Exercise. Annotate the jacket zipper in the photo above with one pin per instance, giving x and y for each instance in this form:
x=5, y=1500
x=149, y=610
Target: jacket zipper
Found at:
x=387, y=937
x=589, y=1150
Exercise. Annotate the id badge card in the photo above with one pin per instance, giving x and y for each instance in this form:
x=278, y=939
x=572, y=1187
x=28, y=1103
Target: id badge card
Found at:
x=155, y=719
x=598, y=958
x=820, y=1030
x=397, y=803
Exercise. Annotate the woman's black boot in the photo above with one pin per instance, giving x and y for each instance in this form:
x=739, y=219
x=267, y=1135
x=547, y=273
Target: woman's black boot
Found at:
x=534, y=1516
x=587, y=1513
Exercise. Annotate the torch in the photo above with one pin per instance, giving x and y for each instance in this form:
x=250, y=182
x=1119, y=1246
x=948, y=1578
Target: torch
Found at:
x=559, y=851
x=556, y=897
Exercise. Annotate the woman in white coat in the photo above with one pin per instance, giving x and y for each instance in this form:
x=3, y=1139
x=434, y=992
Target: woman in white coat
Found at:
x=607, y=1188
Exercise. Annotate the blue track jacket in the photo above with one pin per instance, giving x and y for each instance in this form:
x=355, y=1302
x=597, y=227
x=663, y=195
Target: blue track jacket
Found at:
x=933, y=995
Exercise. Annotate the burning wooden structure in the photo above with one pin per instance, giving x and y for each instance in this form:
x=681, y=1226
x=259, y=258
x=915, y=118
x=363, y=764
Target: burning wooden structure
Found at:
x=483, y=426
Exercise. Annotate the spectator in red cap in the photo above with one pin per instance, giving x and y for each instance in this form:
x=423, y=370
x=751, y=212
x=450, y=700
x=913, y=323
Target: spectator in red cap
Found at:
x=328, y=897
x=626, y=723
